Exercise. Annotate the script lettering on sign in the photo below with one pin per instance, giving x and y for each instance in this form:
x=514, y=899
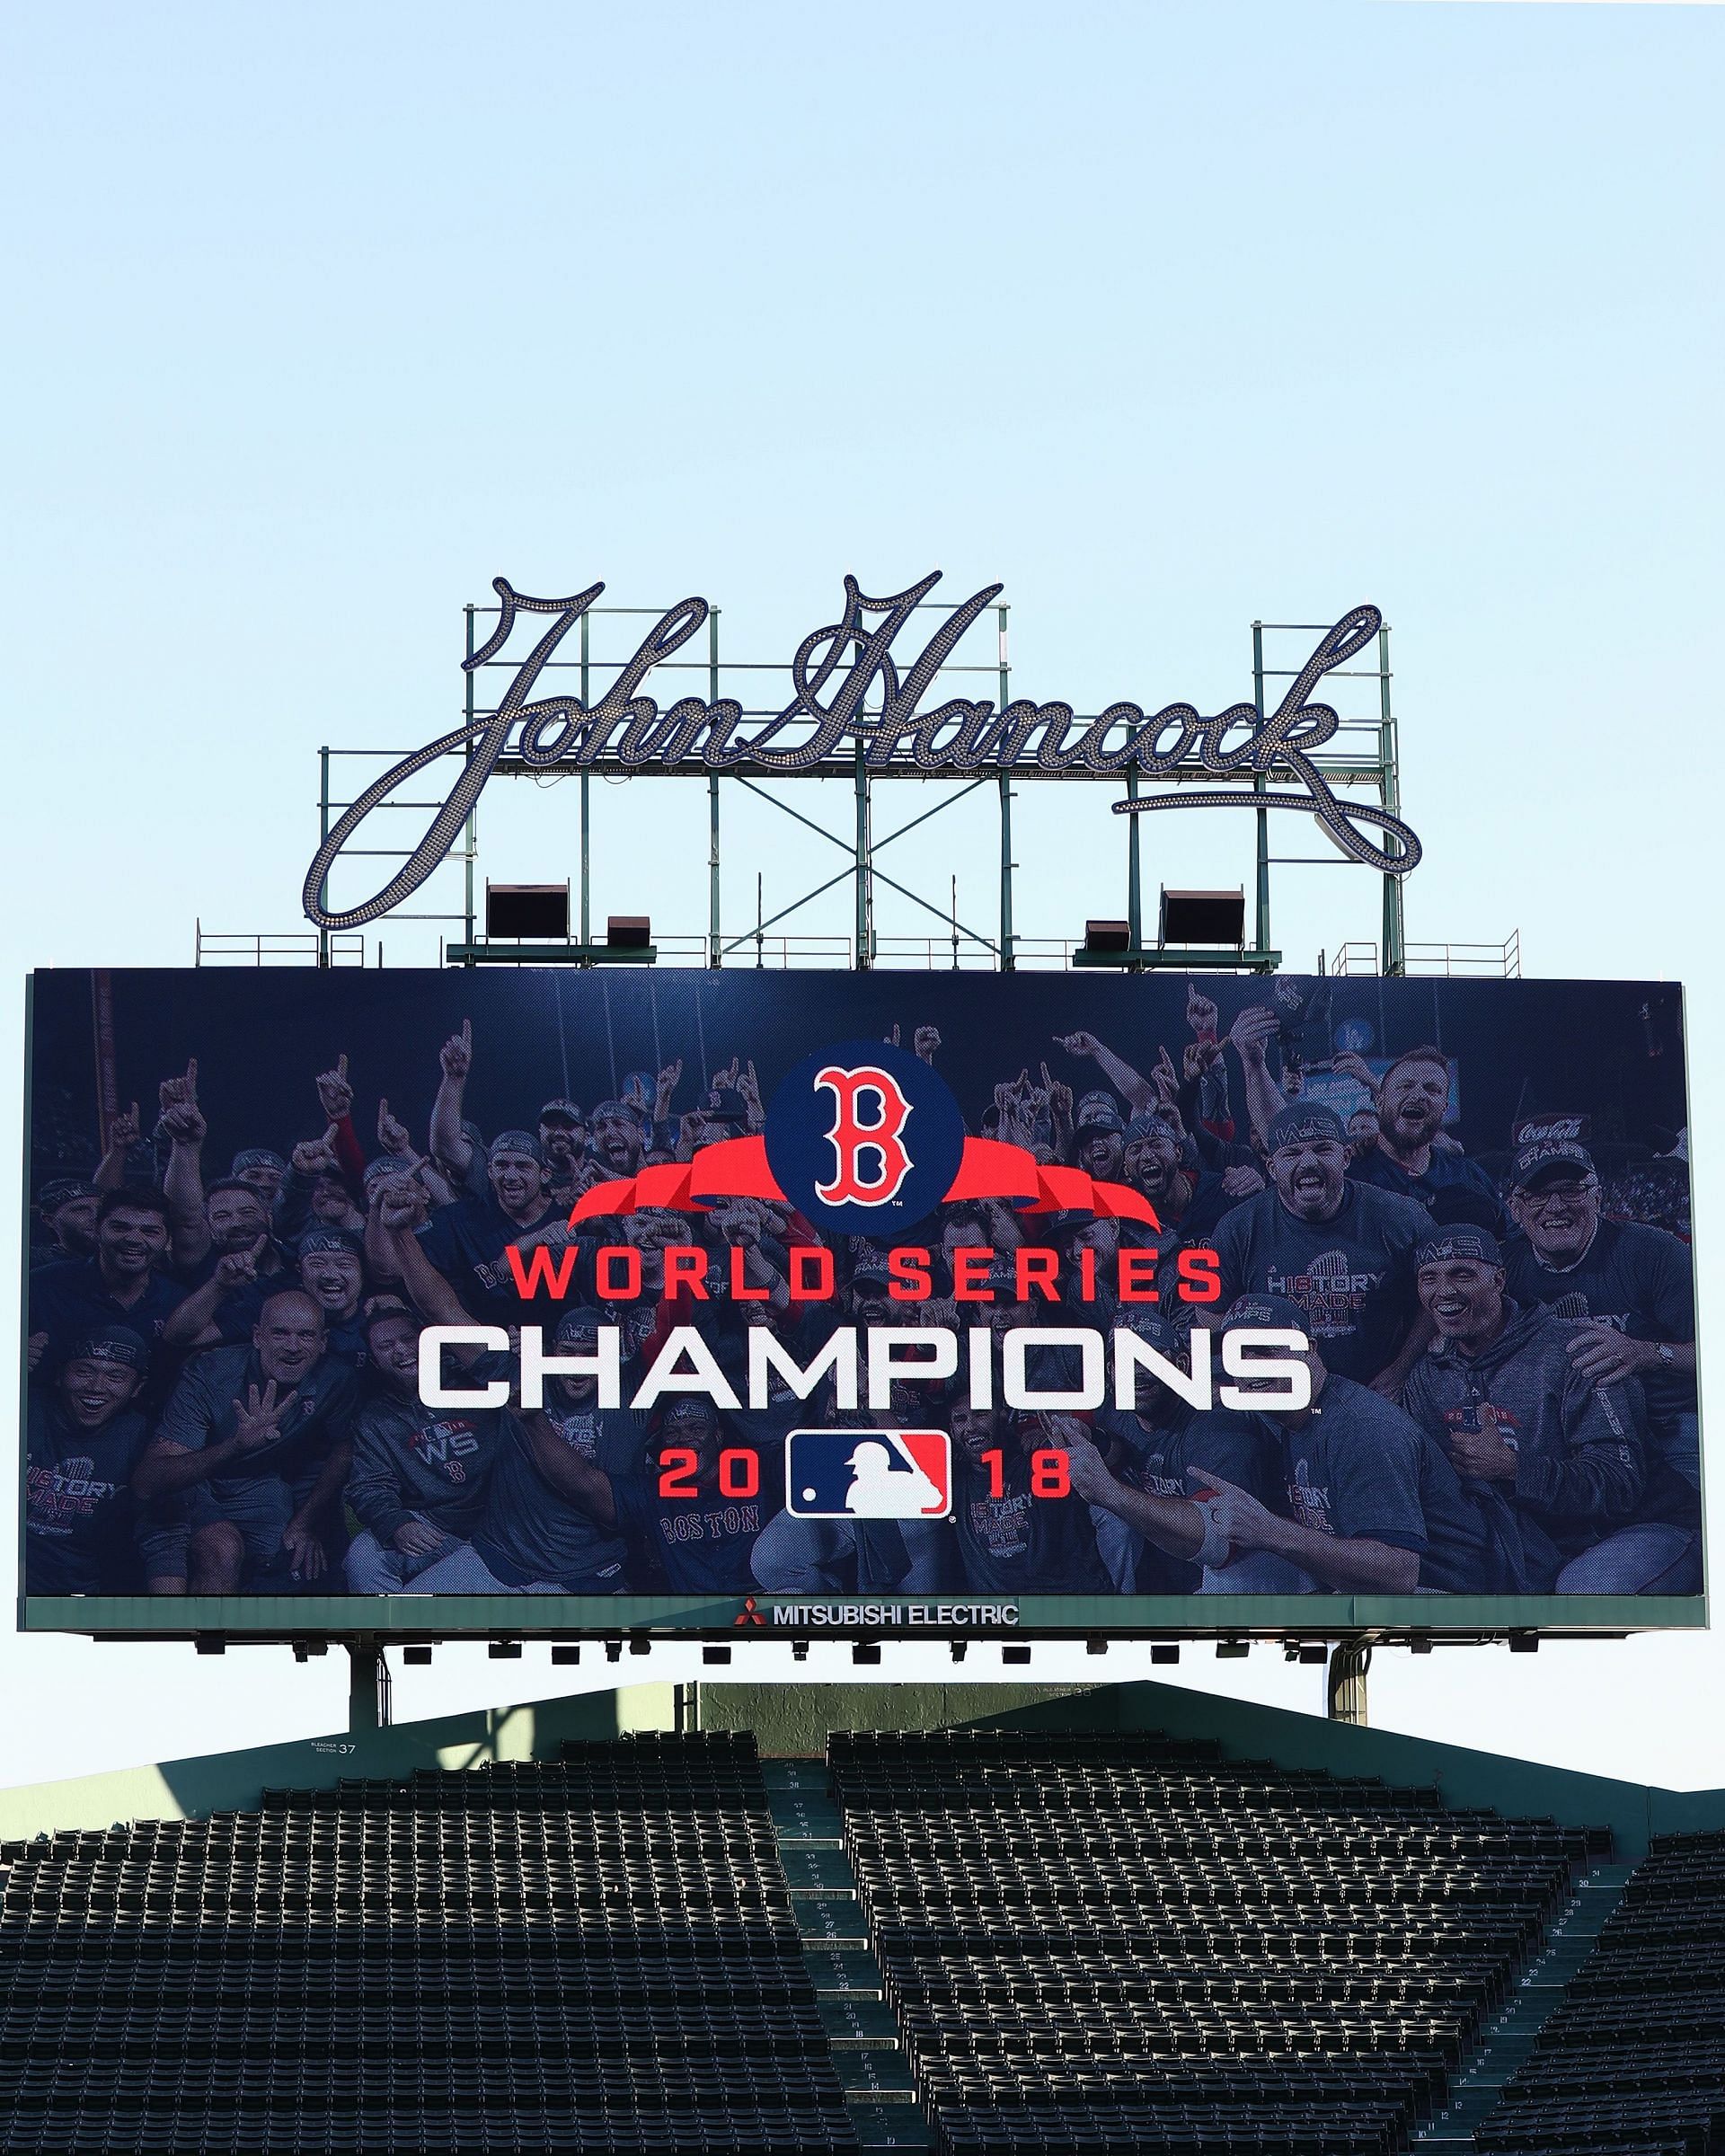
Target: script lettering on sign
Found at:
x=850, y=698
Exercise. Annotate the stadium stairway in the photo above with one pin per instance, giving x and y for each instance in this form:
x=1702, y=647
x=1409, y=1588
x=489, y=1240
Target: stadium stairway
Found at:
x=863, y=2037
x=1511, y=2036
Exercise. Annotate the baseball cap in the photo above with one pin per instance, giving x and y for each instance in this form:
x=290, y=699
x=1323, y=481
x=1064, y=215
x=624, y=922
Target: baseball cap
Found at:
x=561, y=1111
x=516, y=1141
x=380, y=1169
x=112, y=1344
x=1459, y=1244
x=232, y=1182
x=1271, y=1312
x=1151, y=1127
x=258, y=1157
x=64, y=1190
x=1149, y=1326
x=689, y=1408
x=1002, y=1279
x=1464, y=1206
x=576, y=1325
x=869, y=1264
x=1102, y=1109
x=388, y=1306
x=724, y=1104
x=1303, y=1126
x=1546, y=1156
x=329, y=1239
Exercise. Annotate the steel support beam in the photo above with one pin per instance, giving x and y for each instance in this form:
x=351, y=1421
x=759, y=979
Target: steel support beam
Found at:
x=712, y=800
x=369, y=1688
x=1345, y=1681
x=1261, y=917
x=1396, y=950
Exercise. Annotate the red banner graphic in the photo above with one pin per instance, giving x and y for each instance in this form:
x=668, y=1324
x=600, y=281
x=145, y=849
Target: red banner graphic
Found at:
x=738, y=1168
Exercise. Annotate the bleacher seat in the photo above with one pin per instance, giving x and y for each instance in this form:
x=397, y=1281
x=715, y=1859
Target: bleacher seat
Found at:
x=594, y=1954
x=1633, y=2060
x=1114, y=1942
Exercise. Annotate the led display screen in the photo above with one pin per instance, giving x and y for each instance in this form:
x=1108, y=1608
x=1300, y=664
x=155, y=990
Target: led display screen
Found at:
x=559, y=1300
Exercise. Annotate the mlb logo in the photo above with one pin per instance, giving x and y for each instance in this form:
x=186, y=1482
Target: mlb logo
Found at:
x=869, y=1474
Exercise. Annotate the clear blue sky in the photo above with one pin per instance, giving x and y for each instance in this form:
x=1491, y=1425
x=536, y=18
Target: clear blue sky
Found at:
x=1168, y=317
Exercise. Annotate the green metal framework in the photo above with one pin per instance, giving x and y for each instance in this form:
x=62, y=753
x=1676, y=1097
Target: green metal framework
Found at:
x=1365, y=754
x=1364, y=1617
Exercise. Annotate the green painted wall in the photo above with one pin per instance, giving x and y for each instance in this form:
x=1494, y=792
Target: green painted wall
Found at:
x=793, y=1721
x=193, y=1789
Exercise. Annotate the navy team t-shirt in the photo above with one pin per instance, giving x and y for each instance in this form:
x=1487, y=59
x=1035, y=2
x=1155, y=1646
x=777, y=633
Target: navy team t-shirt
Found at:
x=703, y=1544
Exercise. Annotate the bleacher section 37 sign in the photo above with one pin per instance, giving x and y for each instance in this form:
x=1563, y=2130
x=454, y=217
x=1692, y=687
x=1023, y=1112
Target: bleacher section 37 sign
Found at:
x=558, y=1302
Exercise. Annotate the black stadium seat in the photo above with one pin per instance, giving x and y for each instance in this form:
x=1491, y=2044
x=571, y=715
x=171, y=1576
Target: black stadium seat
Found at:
x=1633, y=2060
x=596, y=1954
x=1117, y=1942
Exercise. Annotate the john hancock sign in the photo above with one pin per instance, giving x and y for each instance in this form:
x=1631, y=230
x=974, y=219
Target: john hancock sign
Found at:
x=829, y=724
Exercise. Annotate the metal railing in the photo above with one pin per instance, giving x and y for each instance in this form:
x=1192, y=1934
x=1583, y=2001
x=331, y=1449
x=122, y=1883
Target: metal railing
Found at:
x=763, y=951
x=294, y=947
x=1448, y=961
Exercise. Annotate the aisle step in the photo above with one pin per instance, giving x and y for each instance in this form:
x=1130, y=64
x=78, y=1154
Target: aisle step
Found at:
x=1473, y=2093
x=861, y=2032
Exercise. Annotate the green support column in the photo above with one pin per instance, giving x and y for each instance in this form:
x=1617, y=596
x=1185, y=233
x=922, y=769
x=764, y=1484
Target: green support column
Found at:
x=323, y=833
x=1396, y=950
x=471, y=835
x=1007, y=961
x=712, y=801
x=1134, y=873
x=587, y=866
x=1260, y=914
x=864, y=887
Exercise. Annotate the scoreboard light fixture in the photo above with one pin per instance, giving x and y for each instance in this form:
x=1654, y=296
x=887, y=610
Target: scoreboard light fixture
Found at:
x=207, y=1644
x=629, y=931
x=866, y=1653
x=961, y=1648
x=1096, y=1647
x=638, y=1644
x=1232, y=1650
x=420, y=1657
x=1524, y=1643
x=1314, y=1655
x=1164, y=1651
x=1203, y=917
x=565, y=1653
x=513, y=911
x=1014, y=1657
x=799, y=1650
x=1108, y=935
x=614, y=1650
x=504, y=1650
x=715, y=1655
x=1419, y=1646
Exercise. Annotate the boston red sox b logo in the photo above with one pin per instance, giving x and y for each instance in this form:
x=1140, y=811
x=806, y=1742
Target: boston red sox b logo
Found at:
x=870, y=1163
x=836, y=1138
